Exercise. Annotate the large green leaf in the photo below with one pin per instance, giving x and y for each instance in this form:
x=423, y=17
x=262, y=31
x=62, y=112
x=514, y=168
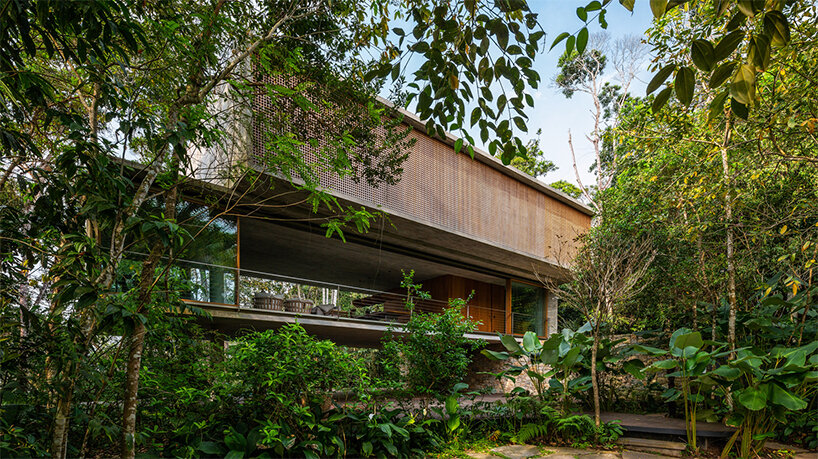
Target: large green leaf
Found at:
x=660, y=77
x=648, y=350
x=748, y=7
x=452, y=424
x=530, y=342
x=492, y=355
x=739, y=109
x=727, y=45
x=721, y=74
x=628, y=4
x=684, y=85
x=661, y=99
x=727, y=372
x=717, y=105
x=571, y=357
x=777, y=27
x=692, y=339
x=703, y=55
x=742, y=88
x=753, y=399
x=634, y=368
x=796, y=359
x=511, y=344
x=549, y=356
x=759, y=51
x=781, y=396
x=658, y=7
x=559, y=38
x=664, y=364
x=582, y=40
x=451, y=405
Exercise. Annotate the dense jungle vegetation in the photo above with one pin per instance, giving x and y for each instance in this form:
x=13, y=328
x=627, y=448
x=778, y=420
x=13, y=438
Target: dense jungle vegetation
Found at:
x=702, y=251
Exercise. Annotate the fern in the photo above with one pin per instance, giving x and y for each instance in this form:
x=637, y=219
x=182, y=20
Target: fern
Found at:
x=530, y=431
x=576, y=428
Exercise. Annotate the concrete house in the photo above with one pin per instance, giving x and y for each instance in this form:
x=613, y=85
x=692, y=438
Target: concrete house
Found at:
x=462, y=224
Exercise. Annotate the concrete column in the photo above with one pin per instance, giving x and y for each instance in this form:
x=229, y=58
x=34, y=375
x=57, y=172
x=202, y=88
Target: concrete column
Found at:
x=553, y=313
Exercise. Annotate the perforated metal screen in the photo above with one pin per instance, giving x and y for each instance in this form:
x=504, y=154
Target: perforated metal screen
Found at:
x=439, y=187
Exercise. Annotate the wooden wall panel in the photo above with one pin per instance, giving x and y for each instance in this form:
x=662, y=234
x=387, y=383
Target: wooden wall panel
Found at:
x=486, y=306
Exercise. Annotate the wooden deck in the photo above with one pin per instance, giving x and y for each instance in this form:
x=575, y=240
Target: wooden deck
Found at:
x=663, y=425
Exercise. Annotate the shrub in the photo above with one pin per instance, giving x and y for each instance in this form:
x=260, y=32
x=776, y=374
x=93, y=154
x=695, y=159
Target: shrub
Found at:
x=435, y=349
x=271, y=370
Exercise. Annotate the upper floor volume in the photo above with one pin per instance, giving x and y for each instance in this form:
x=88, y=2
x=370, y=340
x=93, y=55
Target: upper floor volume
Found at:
x=442, y=205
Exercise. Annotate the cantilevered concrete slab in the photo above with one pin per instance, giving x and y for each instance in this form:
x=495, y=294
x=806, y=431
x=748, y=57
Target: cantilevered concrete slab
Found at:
x=233, y=321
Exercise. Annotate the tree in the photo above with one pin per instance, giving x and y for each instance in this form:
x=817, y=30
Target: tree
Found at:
x=568, y=188
x=584, y=73
x=532, y=161
x=744, y=34
x=126, y=78
x=607, y=271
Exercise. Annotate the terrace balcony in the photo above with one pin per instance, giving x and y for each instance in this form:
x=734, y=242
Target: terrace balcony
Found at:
x=348, y=315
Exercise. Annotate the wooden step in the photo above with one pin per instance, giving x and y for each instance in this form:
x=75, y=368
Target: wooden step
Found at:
x=665, y=448
x=650, y=443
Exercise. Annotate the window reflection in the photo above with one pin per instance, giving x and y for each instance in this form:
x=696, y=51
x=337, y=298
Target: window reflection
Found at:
x=527, y=308
x=209, y=261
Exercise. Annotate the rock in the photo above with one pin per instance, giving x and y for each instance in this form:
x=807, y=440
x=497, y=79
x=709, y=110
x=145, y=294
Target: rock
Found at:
x=641, y=455
x=517, y=451
x=481, y=455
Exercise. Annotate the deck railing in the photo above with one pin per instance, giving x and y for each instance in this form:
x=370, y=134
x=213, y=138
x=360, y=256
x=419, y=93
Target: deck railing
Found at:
x=276, y=293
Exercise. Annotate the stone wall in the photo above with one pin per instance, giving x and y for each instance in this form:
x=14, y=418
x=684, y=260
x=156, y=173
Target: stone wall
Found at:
x=478, y=378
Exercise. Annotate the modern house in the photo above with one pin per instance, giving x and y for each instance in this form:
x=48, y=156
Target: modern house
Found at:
x=461, y=224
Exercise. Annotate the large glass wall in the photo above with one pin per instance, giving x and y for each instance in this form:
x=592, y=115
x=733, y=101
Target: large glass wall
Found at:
x=527, y=308
x=209, y=261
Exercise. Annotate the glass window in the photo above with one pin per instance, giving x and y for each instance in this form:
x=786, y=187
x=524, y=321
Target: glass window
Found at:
x=209, y=261
x=527, y=308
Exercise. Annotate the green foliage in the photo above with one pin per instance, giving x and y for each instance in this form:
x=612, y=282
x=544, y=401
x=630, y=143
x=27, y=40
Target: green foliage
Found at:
x=571, y=429
x=768, y=388
x=496, y=41
x=691, y=361
x=533, y=160
x=435, y=350
x=568, y=188
x=576, y=69
x=768, y=385
x=714, y=31
x=556, y=366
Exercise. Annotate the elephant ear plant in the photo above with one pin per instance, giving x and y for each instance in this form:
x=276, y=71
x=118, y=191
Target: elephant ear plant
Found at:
x=691, y=361
x=767, y=387
x=553, y=360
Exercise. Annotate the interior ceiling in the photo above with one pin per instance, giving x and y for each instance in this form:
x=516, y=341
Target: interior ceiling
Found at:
x=307, y=253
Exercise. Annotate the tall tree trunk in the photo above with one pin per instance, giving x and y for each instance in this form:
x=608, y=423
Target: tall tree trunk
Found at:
x=135, y=347
x=136, y=342
x=62, y=416
x=728, y=217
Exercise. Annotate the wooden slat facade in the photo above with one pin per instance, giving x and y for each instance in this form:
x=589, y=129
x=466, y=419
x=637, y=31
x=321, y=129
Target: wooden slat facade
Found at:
x=473, y=197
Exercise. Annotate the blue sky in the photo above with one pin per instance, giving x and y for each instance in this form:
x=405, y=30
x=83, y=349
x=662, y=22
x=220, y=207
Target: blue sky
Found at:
x=555, y=114
x=552, y=112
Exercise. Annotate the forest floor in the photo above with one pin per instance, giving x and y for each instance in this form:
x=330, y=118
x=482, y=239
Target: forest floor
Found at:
x=561, y=452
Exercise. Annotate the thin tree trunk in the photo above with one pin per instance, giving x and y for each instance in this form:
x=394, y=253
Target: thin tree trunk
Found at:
x=136, y=345
x=728, y=217
x=594, y=382
x=62, y=417
x=137, y=339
